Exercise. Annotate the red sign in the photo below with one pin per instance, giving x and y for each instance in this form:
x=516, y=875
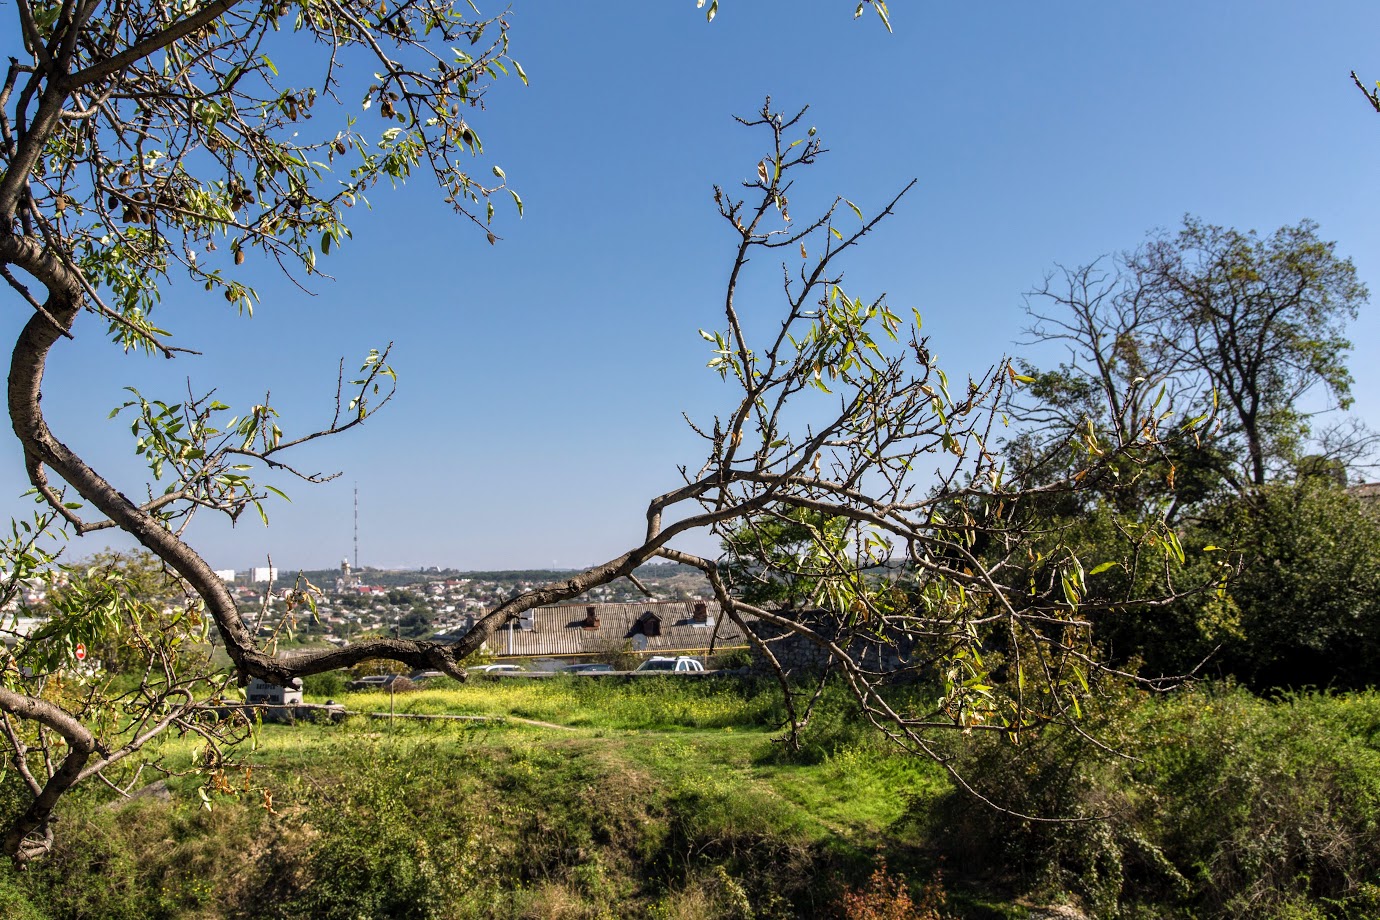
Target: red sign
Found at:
x=81, y=651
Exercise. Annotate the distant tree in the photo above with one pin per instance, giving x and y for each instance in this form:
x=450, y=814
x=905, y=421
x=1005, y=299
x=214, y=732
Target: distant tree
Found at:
x=1248, y=332
x=416, y=623
x=1207, y=320
x=1263, y=321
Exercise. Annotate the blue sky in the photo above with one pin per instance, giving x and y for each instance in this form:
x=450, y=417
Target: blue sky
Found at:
x=542, y=379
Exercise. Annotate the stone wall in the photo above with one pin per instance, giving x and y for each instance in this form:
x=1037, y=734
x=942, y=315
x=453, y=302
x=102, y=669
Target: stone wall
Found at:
x=801, y=657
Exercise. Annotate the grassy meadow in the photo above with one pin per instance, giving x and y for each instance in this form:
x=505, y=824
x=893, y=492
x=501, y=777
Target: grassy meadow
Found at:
x=668, y=798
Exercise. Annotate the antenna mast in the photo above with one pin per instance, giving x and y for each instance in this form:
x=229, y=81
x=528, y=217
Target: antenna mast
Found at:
x=356, y=527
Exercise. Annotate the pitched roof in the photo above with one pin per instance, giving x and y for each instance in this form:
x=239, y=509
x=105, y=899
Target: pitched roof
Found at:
x=1369, y=490
x=560, y=630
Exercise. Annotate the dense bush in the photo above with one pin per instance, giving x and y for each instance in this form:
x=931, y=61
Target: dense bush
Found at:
x=330, y=685
x=1302, y=606
x=1235, y=806
x=1309, y=588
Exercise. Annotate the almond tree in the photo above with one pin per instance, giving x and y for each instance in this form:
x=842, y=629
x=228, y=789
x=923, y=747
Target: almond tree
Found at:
x=139, y=139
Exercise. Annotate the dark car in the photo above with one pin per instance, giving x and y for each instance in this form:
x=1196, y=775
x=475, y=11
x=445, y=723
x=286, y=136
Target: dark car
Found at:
x=588, y=668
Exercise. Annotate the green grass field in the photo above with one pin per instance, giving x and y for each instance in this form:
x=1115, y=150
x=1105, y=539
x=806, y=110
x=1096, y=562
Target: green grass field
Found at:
x=673, y=799
x=649, y=798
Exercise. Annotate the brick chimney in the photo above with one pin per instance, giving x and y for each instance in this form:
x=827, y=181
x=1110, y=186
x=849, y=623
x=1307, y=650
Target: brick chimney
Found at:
x=701, y=612
x=591, y=619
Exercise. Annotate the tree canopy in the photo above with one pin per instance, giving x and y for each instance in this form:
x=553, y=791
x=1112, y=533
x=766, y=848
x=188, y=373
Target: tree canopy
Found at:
x=1250, y=333
x=1209, y=320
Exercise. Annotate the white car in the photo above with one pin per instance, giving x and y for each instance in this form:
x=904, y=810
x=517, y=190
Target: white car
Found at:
x=682, y=665
x=495, y=669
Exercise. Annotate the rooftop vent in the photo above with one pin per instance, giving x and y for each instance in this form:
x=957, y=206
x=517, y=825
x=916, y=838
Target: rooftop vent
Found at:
x=649, y=624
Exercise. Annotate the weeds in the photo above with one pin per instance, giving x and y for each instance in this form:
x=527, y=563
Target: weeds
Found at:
x=1233, y=806
x=672, y=801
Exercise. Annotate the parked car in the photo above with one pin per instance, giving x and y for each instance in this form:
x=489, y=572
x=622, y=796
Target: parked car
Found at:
x=588, y=668
x=496, y=669
x=381, y=682
x=418, y=677
x=681, y=665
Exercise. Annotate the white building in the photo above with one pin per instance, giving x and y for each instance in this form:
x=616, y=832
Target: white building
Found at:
x=263, y=573
x=226, y=575
x=260, y=691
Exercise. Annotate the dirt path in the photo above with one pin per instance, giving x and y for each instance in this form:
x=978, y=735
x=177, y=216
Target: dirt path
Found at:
x=564, y=728
x=450, y=718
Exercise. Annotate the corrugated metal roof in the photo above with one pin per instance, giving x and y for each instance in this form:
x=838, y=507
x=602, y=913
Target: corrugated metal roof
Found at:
x=560, y=630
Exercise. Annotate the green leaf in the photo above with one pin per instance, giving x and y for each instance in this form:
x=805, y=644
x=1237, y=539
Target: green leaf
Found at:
x=1099, y=569
x=880, y=6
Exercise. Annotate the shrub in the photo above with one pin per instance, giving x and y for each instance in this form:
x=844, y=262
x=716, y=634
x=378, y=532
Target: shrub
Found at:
x=327, y=686
x=737, y=659
x=14, y=904
x=1270, y=804
x=376, y=843
x=887, y=897
x=1235, y=806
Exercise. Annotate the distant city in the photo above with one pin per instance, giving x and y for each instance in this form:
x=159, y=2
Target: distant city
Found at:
x=418, y=603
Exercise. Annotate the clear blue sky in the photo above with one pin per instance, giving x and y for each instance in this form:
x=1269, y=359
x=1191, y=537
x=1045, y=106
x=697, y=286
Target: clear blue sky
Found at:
x=542, y=379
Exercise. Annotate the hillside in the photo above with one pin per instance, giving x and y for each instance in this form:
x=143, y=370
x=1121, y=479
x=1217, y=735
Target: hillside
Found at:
x=659, y=798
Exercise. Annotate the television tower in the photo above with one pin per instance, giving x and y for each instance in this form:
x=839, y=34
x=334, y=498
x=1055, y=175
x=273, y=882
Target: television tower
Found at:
x=356, y=527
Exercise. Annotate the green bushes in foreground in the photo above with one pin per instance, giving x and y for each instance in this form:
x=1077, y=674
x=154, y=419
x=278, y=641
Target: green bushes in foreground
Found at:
x=1226, y=805
x=1234, y=806
x=452, y=820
